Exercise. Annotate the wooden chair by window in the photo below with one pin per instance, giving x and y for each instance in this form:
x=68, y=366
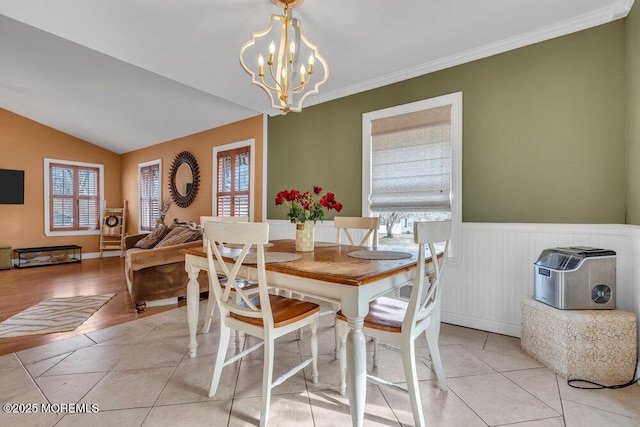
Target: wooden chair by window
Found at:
x=347, y=224
x=399, y=322
x=265, y=316
x=211, y=303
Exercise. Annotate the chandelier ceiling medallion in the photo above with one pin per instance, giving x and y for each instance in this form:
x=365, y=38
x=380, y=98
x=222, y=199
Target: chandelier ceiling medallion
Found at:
x=287, y=66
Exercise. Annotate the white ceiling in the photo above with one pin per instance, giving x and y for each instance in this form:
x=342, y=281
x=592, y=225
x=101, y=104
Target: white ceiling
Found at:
x=125, y=74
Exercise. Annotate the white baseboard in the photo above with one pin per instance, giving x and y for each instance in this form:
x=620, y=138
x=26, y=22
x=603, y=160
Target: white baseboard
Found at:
x=499, y=327
x=90, y=255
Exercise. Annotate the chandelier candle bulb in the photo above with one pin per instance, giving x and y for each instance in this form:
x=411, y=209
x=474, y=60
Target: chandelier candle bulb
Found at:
x=261, y=65
x=272, y=50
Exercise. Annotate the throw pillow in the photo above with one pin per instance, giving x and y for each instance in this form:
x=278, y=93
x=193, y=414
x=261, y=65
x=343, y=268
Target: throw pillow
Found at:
x=183, y=224
x=198, y=233
x=152, y=239
x=176, y=236
x=174, y=224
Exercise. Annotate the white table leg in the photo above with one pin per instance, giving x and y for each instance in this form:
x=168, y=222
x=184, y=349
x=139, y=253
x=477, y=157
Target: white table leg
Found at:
x=356, y=370
x=193, y=305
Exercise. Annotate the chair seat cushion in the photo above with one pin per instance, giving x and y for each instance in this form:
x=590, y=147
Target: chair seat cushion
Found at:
x=385, y=314
x=285, y=311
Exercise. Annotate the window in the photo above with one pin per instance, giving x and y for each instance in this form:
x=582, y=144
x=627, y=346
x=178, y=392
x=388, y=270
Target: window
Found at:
x=149, y=194
x=233, y=182
x=412, y=167
x=73, y=192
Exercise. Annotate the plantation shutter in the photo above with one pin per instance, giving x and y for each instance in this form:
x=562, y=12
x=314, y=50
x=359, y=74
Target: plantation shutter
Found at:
x=88, y=199
x=233, y=182
x=62, y=196
x=149, y=196
x=411, y=162
x=75, y=202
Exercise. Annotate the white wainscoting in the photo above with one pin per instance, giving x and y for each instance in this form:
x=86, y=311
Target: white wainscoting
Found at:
x=483, y=291
x=496, y=269
x=280, y=229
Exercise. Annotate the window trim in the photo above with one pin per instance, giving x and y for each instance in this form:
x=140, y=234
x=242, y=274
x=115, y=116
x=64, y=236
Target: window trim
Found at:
x=453, y=99
x=47, y=197
x=140, y=166
x=214, y=179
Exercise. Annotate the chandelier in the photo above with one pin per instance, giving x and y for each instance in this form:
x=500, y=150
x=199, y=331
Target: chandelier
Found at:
x=287, y=66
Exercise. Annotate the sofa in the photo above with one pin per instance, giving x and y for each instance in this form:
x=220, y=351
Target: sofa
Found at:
x=155, y=272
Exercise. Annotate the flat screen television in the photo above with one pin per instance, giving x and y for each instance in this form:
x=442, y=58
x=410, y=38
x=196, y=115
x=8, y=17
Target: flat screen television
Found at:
x=11, y=187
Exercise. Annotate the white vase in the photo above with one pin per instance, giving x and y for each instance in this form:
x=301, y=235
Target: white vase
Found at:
x=304, y=236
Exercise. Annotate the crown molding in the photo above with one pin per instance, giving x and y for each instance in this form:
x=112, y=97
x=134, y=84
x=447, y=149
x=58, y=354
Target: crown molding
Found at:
x=621, y=9
x=592, y=19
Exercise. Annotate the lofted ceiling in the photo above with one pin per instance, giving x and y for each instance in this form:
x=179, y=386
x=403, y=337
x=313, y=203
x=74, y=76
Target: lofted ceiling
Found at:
x=126, y=74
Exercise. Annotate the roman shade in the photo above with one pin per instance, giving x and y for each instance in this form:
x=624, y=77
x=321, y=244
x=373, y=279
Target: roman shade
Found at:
x=411, y=162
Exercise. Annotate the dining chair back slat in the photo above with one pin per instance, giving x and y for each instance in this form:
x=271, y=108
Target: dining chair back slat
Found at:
x=347, y=224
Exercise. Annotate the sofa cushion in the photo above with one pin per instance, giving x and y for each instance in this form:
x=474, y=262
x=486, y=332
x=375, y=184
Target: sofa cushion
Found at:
x=153, y=238
x=139, y=259
x=159, y=273
x=176, y=236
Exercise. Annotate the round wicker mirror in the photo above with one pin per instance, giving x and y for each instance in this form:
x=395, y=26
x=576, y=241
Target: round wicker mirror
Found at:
x=184, y=179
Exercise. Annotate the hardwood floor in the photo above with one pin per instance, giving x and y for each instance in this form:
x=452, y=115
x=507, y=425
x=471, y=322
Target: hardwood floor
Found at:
x=22, y=288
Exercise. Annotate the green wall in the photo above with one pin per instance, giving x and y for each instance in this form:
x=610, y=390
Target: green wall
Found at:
x=632, y=26
x=543, y=133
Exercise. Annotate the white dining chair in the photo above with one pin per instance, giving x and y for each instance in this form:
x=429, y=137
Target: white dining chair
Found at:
x=348, y=224
x=265, y=316
x=399, y=322
x=211, y=302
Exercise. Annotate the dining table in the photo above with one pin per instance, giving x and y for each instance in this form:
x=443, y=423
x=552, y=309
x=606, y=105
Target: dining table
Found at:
x=330, y=272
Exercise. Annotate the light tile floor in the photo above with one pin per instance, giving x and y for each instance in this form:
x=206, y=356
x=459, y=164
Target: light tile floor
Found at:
x=139, y=374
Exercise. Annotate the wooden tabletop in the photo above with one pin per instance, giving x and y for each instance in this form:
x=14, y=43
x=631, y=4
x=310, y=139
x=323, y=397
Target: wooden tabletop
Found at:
x=329, y=263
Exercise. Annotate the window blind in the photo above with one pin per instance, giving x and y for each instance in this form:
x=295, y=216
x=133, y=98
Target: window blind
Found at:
x=233, y=182
x=88, y=199
x=149, y=196
x=75, y=195
x=411, y=162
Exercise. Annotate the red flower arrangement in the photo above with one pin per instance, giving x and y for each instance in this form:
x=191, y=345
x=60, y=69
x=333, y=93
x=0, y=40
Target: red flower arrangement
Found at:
x=307, y=206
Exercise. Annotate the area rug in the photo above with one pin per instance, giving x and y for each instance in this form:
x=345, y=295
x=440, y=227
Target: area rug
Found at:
x=53, y=315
